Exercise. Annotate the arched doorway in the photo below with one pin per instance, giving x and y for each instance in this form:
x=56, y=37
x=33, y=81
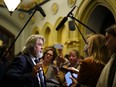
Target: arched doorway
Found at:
x=7, y=39
x=100, y=18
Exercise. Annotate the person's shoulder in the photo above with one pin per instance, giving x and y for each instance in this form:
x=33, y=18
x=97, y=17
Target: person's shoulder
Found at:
x=88, y=59
x=21, y=57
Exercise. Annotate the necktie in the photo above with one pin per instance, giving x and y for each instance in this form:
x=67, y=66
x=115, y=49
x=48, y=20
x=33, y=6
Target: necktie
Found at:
x=112, y=73
x=42, y=78
x=41, y=75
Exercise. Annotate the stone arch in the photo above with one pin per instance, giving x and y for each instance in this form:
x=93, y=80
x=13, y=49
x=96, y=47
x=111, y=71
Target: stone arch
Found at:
x=91, y=13
x=47, y=32
x=36, y=30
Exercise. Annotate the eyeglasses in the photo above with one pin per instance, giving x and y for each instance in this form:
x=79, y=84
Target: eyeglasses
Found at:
x=49, y=54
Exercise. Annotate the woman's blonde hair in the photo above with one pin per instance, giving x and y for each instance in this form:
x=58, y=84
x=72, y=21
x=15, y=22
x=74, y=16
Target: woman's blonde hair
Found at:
x=97, y=49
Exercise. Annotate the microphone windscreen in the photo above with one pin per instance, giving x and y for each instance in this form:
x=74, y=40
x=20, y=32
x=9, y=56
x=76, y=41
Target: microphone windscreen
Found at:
x=61, y=23
x=71, y=25
x=42, y=12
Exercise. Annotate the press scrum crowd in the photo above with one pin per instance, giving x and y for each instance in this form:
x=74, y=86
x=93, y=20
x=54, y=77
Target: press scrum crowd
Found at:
x=38, y=67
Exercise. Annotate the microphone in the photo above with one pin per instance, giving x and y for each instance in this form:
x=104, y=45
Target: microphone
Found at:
x=61, y=23
x=64, y=20
x=41, y=11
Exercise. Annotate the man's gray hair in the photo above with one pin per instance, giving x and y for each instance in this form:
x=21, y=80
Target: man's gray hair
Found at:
x=30, y=43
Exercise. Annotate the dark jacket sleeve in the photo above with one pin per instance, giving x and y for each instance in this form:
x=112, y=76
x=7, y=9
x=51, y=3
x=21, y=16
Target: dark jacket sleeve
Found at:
x=20, y=71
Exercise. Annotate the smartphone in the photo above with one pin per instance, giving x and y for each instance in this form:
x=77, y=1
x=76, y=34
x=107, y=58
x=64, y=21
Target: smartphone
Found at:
x=58, y=46
x=68, y=79
x=75, y=75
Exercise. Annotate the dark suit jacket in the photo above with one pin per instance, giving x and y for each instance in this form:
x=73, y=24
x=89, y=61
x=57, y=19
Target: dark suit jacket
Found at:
x=19, y=73
x=89, y=72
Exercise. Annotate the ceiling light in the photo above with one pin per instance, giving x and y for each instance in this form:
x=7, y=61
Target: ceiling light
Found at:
x=12, y=4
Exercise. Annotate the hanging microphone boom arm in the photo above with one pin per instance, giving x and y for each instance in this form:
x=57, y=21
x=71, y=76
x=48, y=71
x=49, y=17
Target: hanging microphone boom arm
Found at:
x=81, y=34
x=71, y=16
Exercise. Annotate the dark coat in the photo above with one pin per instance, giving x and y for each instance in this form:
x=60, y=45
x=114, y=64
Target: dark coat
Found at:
x=19, y=73
x=89, y=72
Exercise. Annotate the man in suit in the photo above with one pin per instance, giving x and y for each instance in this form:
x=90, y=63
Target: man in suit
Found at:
x=108, y=75
x=23, y=70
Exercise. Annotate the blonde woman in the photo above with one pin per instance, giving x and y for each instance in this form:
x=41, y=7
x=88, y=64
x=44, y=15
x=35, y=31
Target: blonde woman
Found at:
x=91, y=67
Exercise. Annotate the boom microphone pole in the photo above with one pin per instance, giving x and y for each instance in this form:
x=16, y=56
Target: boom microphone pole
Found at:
x=81, y=34
x=83, y=24
x=71, y=16
x=36, y=8
x=71, y=11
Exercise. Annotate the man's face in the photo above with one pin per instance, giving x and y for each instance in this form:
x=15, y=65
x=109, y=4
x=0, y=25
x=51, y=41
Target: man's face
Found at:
x=111, y=42
x=39, y=47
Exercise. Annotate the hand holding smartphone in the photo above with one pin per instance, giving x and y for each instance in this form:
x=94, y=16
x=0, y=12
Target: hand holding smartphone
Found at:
x=68, y=79
x=68, y=76
x=74, y=75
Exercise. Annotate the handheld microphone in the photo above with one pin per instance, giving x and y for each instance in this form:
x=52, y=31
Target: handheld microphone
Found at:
x=61, y=23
